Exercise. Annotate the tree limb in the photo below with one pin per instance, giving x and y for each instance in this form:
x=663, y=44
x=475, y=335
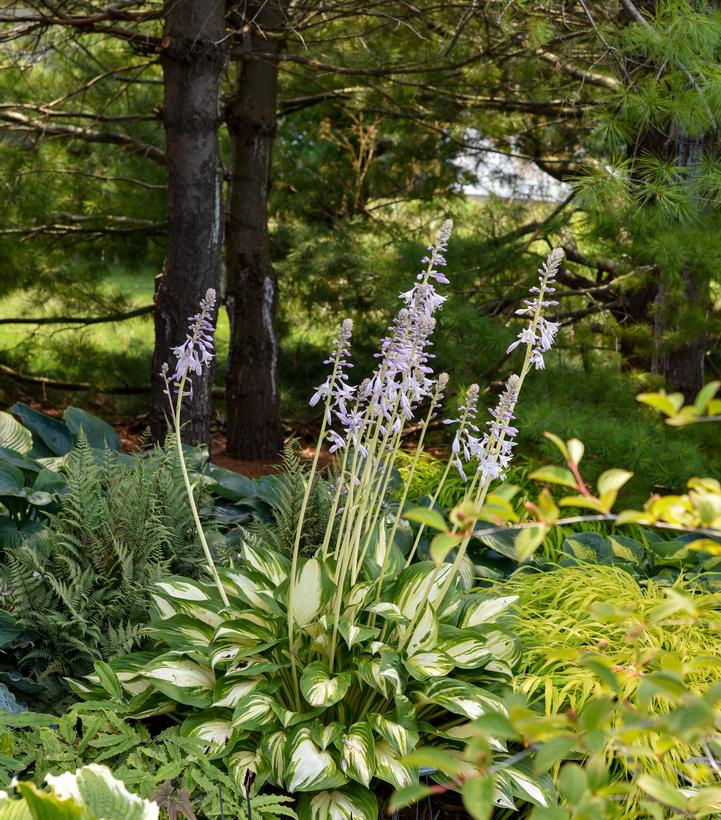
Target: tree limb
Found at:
x=77, y=320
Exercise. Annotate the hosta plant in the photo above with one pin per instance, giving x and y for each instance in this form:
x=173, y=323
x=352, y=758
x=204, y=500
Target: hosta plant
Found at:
x=322, y=670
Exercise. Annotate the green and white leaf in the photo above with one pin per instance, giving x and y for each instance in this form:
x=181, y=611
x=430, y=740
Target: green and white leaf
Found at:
x=353, y=634
x=255, y=711
x=273, y=566
x=183, y=680
x=486, y=609
x=230, y=689
x=425, y=632
x=401, y=739
x=358, y=760
x=462, y=698
x=391, y=769
x=13, y=435
x=308, y=767
x=432, y=664
x=349, y=803
x=418, y=585
x=312, y=590
x=213, y=727
x=319, y=688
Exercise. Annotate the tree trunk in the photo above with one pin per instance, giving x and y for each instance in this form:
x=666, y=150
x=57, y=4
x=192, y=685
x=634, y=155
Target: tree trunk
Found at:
x=252, y=392
x=194, y=57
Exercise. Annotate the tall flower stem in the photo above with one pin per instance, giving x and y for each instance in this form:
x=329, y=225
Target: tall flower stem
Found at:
x=189, y=490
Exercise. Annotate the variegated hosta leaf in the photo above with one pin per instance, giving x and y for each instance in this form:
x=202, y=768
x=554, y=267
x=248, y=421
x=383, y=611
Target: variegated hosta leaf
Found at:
x=432, y=664
x=312, y=590
x=353, y=634
x=183, y=680
x=462, y=698
x=319, y=688
x=349, y=803
x=272, y=565
x=401, y=739
x=325, y=735
x=486, y=609
x=358, y=759
x=255, y=711
x=249, y=759
x=288, y=718
x=391, y=612
x=531, y=788
x=467, y=649
x=183, y=589
x=502, y=644
x=181, y=632
x=357, y=597
x=252, y=587
x=309, y=768
x=463, y=733
x=231, y=688
x=391, y=769
x=213, y=727
x=418, y=585
x=206, y=611
x=369, y=670
x=425, y=633
x=273, y=746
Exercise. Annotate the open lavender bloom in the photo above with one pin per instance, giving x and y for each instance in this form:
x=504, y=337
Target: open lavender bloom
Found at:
x=540, y=332
x=197, y=349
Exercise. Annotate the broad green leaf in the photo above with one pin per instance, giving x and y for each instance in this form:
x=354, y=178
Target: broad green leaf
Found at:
x=358, y=759
x=319, y=688
x=98, y=433
x=352, y=802
x=212, y=726
x=391, y=769
x=309, y=768
x=13, y=436
x=552, y=474
x=479, y=796
x=428, y=517
x=50, y=436
x=12, y=480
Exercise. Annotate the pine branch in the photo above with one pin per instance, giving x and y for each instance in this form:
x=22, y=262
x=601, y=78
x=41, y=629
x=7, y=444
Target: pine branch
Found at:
x=78, y=320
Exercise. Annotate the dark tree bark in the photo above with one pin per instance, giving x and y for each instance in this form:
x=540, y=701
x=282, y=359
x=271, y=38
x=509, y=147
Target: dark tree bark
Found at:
x=194, y=56
x=252, y=391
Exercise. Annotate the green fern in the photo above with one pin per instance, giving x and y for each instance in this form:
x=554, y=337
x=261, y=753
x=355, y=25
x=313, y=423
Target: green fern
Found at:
x=81, y=586
x=279, y=534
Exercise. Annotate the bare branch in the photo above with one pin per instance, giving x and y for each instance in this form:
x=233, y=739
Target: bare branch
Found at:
x=78, y=320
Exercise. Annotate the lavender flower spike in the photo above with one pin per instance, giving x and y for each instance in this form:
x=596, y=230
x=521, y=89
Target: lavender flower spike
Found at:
x=496, y=449
x=197, y=349
x=465, y=444
x=540, y=333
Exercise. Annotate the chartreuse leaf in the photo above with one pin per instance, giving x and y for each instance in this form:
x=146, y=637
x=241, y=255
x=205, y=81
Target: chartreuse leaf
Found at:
x=428, y=517
x=704, y=397
x=308, y=767
x=352, y=802
x=442, y=544
x=575, y=450
x=669, y=405
x=358, y=759
x=560, y=443
x=479, y=796
x=319, y=688
x=662, y=791
x=552, y=474
x=528, y=540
